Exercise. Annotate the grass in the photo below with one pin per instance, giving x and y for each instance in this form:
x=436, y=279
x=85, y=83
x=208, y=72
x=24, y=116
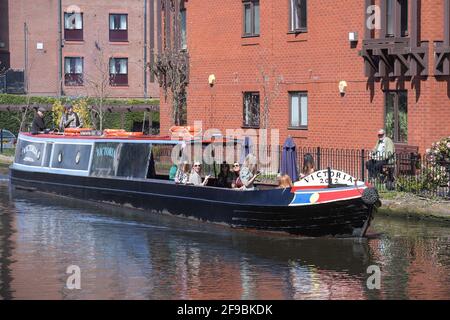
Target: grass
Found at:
x=8, y=152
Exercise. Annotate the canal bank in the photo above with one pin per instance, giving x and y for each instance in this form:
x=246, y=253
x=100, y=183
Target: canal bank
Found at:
x=414, y=207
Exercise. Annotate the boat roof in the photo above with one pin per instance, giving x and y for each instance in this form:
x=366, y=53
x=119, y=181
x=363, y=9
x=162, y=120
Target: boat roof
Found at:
x=154, y=139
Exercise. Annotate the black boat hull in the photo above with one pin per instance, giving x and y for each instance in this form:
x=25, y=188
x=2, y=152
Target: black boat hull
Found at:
x=249, y=210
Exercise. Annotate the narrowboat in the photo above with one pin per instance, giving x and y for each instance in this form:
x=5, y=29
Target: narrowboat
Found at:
x=132, y=170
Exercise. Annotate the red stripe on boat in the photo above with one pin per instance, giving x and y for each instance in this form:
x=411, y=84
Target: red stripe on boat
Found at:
x=344, y=194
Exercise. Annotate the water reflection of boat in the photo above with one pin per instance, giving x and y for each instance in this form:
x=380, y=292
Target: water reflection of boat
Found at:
x=108, y=169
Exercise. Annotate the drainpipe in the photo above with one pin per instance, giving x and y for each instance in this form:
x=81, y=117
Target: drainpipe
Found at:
x=60, y=47
x=25, y=34
x=145, y=50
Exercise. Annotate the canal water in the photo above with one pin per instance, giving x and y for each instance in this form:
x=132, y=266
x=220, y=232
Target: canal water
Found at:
x=126, y=254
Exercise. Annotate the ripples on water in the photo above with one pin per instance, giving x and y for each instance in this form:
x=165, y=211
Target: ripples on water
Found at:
x=125, y=254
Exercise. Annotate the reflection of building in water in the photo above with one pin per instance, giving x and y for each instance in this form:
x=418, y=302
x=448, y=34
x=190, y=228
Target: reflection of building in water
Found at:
x=311, y=283
x=48, y=243
x=304, y=280
x=6, y=244
x=247, y=283
x=428, y=278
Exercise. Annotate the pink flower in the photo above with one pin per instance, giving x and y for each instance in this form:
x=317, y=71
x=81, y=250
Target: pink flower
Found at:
x=448, y=145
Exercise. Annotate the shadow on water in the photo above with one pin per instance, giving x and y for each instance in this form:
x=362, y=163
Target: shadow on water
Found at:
x=129, y=254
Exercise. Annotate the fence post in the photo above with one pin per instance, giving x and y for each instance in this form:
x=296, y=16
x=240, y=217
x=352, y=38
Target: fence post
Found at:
x=1, y=140
x=363, y=171
x=318, y=158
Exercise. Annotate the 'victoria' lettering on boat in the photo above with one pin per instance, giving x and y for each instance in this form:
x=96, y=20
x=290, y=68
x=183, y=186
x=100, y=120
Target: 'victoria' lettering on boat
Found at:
x=106, y=152
x=322, y=177
x=30, y=149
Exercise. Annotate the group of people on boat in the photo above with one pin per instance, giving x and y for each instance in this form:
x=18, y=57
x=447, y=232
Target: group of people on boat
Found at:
x=239, y=177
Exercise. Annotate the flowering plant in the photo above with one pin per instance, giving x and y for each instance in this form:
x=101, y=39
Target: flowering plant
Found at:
x=440, y=152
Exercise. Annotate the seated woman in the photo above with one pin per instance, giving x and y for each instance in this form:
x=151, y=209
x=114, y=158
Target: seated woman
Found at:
x=249, y=172
x=225, y=179
x=237, y=183
x=182, y=175
x=195, y=177
x=308, y=166
x=284, y=182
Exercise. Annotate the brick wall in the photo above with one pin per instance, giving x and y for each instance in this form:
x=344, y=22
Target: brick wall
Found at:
x=41, y=17
x=315, y=62
x=4, y=35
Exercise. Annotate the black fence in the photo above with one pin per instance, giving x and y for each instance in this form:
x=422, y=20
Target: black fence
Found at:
x=12, y=82
x=405, y=172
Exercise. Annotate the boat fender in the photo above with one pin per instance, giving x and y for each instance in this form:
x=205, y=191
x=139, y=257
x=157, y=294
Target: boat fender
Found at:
x=370, y=196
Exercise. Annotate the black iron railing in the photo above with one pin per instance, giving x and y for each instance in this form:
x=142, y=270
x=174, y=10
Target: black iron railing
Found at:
x=405, y=172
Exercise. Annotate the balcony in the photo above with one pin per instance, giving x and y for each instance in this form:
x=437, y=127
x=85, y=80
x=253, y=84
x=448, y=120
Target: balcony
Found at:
x=395, y=57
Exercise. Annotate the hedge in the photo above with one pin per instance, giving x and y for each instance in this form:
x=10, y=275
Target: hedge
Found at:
x=10, y=99
x=9, y=121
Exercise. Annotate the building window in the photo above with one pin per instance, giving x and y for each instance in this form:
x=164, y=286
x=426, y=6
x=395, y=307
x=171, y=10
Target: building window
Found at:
x=183, y=29
x=73, y=71
x=251, y=109
x=73, y=26
x=298, y=110
x=118, y=27
x=118, y=71
x=298, y=15
x=251, y=18
x=396, y=20
x=396, y=115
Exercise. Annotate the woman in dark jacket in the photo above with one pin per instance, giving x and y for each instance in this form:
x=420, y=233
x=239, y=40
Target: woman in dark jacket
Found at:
x=225, y=179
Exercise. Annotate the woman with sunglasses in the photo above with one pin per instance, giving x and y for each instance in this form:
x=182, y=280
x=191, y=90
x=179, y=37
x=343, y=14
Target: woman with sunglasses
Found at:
x=195, y=177
x=237, y=183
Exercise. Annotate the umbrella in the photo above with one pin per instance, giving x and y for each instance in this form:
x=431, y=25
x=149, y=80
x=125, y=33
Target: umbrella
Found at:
x=247, y=148
x=289, y=159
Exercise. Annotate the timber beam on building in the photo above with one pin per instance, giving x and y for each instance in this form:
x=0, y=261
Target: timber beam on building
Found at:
x=395, y=57
x=400, y=55
x=442, y=48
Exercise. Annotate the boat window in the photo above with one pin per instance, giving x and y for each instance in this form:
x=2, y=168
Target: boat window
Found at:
x=71, y=156
x=133, y=160
x=104, y=162
x=48, y=154
x=162, y=157
x=29, y=153
x=129, y=160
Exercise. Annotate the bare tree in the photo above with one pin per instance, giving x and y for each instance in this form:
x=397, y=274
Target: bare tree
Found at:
x=97, y=84
x=270, y=82
x=171, y=66
x=171, y=69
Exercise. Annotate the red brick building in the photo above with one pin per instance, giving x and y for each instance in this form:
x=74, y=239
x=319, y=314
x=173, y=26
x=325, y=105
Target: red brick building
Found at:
x=395, y=73
x=65, y=47
x=4, y=36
